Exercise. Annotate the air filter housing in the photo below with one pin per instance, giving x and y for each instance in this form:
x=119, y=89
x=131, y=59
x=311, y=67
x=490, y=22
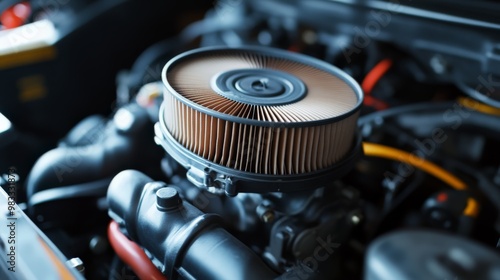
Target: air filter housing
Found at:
x=258, y=119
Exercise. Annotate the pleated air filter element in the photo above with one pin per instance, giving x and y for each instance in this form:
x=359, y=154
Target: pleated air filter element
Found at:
x=258, y=119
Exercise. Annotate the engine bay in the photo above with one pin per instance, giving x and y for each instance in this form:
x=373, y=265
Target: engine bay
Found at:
x=240, y=139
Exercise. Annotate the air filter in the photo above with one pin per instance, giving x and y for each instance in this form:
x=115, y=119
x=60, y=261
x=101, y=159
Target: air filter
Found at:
x=258, y=119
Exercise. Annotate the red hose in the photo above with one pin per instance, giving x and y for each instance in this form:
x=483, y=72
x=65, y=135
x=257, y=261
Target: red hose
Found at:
x=371, y=80
x=375, y=75
x=131, y=254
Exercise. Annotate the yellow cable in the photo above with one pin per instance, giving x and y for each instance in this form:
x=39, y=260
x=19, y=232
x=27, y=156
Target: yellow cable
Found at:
x=472, y=208
x=377, y=150
x=478, y=106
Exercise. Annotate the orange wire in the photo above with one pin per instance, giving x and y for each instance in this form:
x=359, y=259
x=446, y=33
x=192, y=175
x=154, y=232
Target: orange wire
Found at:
x=371, y=79
x=377, y=150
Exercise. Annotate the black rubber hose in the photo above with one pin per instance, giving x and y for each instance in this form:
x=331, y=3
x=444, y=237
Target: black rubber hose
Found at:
x=117, y=148
x=399, y=110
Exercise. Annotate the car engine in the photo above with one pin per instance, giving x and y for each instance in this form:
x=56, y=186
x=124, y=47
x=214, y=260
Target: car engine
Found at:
x=240, y=139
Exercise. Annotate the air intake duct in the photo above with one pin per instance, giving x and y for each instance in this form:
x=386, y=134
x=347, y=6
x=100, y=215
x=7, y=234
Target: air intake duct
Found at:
x=258, y=119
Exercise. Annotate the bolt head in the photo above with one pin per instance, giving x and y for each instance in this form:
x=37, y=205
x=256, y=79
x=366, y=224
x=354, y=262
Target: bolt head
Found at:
x=268, y=216
x=77, y=264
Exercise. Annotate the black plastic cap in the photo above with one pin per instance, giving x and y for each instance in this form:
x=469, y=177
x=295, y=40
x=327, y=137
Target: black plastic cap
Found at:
x=167, y=198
